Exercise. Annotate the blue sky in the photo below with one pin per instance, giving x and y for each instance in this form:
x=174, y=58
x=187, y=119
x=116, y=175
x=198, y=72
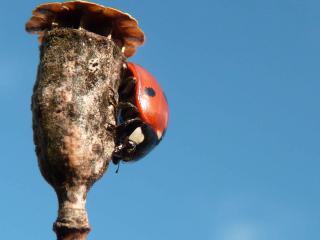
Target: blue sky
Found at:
x=240, y=160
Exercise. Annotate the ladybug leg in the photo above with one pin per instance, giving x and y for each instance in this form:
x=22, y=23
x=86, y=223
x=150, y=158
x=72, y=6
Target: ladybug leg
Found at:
x=127, y=105
x=127, y=86
x=112, y=97
x=126, y=111
x=116, y=159
x=128, y=126
x=122, y=150
x=125, y=146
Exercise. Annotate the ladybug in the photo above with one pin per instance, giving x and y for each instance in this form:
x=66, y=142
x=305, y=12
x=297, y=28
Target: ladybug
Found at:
x=142, y=114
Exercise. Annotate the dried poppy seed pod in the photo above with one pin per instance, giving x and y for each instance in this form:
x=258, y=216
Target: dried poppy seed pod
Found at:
x=83, y=48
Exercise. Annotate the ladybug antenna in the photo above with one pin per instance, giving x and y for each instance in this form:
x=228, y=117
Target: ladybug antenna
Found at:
x=118, y=168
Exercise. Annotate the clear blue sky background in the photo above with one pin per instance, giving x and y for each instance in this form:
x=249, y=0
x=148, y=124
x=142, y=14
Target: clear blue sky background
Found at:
x=240, y=160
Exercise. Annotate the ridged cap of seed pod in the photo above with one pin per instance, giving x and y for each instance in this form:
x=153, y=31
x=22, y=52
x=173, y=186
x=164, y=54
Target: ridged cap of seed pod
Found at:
x=93, y=17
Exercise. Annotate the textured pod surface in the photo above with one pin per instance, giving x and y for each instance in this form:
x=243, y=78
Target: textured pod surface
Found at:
x=73, y=108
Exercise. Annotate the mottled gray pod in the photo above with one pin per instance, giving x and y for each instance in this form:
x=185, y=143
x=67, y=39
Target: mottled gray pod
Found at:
x=73, y=107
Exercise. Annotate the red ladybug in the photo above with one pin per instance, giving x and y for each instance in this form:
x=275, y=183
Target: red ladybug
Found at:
x=142, y=115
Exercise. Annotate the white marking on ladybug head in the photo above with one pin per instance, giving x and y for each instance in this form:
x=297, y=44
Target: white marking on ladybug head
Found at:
x=159, y=134
x=137, y=136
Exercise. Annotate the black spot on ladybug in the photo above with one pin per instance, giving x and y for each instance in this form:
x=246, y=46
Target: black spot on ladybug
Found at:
x=150, y=91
